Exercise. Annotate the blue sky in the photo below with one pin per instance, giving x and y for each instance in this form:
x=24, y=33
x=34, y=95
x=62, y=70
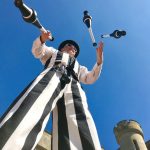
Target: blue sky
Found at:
x=122, y=91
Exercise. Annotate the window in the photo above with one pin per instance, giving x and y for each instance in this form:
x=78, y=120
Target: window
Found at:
x=136, y=145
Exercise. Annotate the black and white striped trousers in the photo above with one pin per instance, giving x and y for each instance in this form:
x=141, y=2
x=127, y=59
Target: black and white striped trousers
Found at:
x=22, y=125
x=73, y=126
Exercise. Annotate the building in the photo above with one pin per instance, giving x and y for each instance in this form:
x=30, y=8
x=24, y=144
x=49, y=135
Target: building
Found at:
x=45, y=142
x=129, y=136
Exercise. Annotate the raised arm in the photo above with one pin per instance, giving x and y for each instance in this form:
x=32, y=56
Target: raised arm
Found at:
x=89, y=77
x=40, y=50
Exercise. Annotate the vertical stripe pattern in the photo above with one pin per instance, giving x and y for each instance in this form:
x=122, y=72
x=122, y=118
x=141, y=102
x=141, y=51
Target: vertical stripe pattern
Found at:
x=84, y=119
x=87, y=142
x=13, y=108
x=63, y=135
x=31, y=112
x=54, y=140
x=40, y=126
x=81, y=128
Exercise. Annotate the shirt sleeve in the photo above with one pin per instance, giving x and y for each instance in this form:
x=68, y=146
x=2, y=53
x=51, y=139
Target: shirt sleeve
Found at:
x=43, y=52
x=40, y=50
x=89, y=77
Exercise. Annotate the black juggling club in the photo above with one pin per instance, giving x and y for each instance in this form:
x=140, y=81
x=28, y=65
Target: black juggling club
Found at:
x=87, y=19
x=29, y=15
x=116, y=34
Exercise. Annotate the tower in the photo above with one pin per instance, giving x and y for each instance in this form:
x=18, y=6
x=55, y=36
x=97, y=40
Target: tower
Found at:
x=129, y=135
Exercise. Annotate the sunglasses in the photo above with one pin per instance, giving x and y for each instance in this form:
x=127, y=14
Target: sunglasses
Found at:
x=71, y=46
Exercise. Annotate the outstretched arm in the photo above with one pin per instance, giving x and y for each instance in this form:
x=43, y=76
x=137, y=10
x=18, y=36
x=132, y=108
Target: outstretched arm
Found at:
x=40, y=50
x=89, y=77
x=43, y=52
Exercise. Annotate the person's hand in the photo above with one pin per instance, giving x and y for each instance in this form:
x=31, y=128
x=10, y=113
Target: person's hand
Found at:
x=45, y=36
x=99, y=53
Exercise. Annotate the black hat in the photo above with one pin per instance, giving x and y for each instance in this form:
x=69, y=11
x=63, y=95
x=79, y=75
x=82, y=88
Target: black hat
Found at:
x=72, y=43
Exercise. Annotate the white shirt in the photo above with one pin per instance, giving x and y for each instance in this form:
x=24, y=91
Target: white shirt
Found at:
x=43, y=52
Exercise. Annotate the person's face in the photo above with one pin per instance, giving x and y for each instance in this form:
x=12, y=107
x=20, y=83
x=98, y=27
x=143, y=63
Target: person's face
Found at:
x=70, y=49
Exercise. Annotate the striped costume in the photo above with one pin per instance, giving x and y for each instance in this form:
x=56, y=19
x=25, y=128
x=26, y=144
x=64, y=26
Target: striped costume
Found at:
x=22, y=125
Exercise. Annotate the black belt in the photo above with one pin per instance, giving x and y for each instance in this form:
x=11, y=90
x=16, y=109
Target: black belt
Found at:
x=66, y=72
x=72, y=73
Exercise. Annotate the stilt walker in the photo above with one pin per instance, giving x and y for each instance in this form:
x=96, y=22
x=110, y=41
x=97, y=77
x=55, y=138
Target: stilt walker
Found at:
x=22, y=126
